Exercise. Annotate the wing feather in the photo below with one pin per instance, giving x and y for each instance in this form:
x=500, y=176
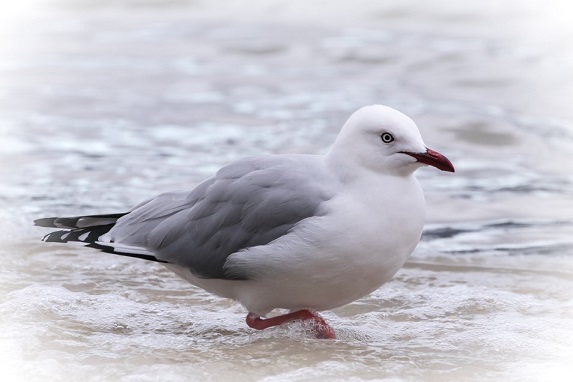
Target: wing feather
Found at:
x=248, y=203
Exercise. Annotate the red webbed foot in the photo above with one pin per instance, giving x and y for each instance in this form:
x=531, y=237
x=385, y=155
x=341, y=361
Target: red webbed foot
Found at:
x=321, y=328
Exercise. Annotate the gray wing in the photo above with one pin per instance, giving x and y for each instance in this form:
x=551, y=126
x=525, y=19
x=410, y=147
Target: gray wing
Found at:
x=248, y=203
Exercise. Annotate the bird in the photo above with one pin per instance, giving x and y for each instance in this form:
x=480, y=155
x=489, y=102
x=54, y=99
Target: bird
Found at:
x=299, y=232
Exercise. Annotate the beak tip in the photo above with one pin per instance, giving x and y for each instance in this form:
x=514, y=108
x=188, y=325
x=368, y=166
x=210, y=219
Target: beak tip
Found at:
x=435, y=159
x=448, y=166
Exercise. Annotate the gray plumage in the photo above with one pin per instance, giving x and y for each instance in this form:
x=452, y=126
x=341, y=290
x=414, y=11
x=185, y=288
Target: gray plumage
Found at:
x=248, y=203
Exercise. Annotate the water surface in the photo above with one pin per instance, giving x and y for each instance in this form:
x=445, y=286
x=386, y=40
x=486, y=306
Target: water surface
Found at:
x=104, y=104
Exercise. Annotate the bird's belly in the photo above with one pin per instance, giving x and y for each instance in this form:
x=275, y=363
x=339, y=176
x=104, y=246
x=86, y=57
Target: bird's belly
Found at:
x=324, y=284
x=341, y=278
x=320, y=280
x=333, y=274
x=340, y=257
x=327, y=287
x=328, y=261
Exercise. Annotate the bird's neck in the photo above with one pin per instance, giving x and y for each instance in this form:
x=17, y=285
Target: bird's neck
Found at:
x=348, y=171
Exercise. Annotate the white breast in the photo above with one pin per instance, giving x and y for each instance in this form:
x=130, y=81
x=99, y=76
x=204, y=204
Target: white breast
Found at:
x=361, y=241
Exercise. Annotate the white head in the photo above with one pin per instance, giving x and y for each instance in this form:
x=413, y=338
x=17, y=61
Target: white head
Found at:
x=383, y=140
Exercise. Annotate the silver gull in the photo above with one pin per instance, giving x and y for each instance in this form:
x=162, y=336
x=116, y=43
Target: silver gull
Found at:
x=300, y=232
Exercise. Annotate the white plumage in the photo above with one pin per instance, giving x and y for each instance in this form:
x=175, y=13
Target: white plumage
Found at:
x=287, y=231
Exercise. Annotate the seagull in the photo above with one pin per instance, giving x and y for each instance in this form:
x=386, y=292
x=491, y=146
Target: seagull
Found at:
x=305, y=233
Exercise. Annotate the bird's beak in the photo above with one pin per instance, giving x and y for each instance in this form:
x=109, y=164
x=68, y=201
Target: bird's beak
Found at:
x=433, y=158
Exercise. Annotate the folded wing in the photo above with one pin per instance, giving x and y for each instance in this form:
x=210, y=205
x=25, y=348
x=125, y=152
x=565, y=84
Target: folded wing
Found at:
x=248, y=203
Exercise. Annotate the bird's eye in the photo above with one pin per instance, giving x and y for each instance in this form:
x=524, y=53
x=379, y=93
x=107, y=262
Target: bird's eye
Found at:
x=387, y=137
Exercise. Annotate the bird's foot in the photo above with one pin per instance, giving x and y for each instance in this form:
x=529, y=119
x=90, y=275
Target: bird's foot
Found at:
x=321, y=328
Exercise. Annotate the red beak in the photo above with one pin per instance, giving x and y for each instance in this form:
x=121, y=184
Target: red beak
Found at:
x=433, y=158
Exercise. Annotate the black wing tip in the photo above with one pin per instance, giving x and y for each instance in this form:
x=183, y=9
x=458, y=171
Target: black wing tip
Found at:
x=57, y=222
x=112, y=250
x=55, y=237
x=72, y=221
x=45, y=222
x=58, y=237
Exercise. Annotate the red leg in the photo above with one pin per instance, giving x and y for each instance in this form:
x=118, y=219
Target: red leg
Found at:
x=321, y=328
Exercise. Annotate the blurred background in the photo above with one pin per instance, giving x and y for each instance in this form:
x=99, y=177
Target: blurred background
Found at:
x=106, y=103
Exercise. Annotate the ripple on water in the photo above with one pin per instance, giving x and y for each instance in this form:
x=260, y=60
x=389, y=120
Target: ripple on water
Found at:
x=121, y=103
x=446, y=314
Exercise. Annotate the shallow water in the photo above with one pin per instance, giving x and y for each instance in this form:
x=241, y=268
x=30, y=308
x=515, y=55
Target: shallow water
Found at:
x=103, y=104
